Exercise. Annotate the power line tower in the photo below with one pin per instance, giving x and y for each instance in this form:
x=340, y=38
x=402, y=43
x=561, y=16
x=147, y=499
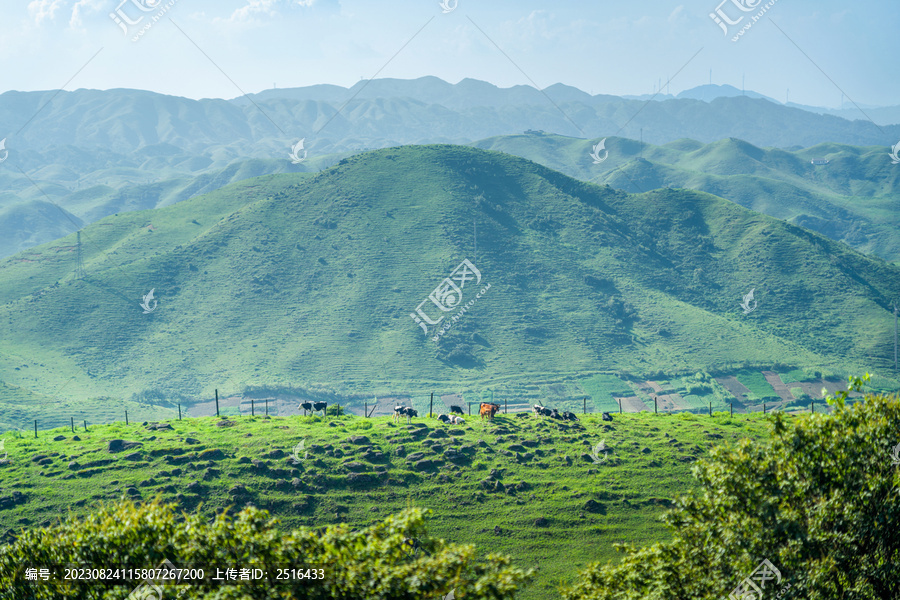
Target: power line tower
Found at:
x=79, y=266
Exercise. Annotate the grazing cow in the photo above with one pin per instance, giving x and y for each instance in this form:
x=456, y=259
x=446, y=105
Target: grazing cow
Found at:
x=488, y=410
x=398, y=412
x=555, y=414
x=317, y=406
x=409, y=413
x=444, y=419
x=456, y=420
x=307, y=407
x=455, y=410
x=607, y=416
x=541, y=411
x=569, y=416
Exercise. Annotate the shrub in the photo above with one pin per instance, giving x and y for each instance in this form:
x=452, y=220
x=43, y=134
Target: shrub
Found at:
x=373, y=563
x=820, y=501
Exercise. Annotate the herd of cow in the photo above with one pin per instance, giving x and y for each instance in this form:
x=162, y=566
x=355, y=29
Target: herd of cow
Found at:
x=487, y=411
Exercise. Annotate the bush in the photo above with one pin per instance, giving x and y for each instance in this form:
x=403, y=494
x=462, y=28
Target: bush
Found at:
x=820, y=501
x=373, y=563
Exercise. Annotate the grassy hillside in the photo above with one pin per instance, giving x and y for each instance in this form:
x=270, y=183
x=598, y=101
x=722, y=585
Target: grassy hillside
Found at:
x=854, y=198
x=297, y=280
x=522, y=486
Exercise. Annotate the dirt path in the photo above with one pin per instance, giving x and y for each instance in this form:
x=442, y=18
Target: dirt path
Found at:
x=632, y=404
x=780, y=388
x=737, y=389
x=666, y=402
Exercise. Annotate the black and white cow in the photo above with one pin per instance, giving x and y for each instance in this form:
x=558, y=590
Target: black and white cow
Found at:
x=540, y=411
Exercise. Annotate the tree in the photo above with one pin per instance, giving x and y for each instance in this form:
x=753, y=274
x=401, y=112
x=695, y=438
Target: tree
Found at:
x=391, y=560
x=820, y=501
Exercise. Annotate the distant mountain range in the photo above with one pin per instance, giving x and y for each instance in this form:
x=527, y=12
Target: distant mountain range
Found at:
x=295, y=279
x=95, y=153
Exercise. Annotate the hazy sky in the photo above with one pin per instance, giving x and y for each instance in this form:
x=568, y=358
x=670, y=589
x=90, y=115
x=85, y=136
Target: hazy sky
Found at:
x=601, y=46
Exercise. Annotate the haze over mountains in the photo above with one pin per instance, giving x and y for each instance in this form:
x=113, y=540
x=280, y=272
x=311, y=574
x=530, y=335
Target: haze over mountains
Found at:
x=95, y=153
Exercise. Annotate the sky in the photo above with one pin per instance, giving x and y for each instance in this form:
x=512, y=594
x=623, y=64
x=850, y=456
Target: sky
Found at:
x=818, y=52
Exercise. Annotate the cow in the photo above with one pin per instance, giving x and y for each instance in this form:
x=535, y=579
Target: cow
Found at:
x=555, y=414
x=409, y=413
x=457, y=420
x=455, y=410
x=398, y=412
x=488, y=410
x=540, y=411
x=607, y=416
x=444, y=419
x=307, y=407
x=569, y=416
x=320, y=406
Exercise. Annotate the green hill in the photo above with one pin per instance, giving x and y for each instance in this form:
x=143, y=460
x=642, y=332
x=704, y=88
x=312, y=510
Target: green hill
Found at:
x=852, y=199
x=522, y=486
x=299, y=280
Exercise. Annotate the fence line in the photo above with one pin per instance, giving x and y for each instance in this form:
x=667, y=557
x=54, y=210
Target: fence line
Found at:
x=57, y=422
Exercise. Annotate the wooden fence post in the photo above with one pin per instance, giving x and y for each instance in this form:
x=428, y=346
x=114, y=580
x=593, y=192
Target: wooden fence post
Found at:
x=252, y=407
x=179, y=411
x=217, y=403
x=431, y=405
x=710, y=409
x=620, y=406
x=655, y=406
x=267, y=407
x=366, y=409
x=72, y=423
x=764, y=408
x=584, y=406
x=126, y=417
x=35, y=429
x=85, y=424
x=732, y=409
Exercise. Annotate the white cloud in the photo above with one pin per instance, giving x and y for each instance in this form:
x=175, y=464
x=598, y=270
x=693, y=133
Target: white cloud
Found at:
x=41, y=10
x=266, y=7
x=83, y=6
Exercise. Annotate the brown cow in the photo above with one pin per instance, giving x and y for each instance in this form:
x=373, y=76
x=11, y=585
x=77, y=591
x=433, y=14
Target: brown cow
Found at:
x=488, y=410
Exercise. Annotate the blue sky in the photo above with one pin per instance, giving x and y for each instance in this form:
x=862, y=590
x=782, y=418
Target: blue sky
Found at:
x=600, y=46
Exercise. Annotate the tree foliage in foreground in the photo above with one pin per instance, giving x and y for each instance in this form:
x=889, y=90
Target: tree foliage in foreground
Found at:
x=820, y=501
x=375, y=563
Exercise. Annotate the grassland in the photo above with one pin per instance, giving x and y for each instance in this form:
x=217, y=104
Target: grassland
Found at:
x=555, y=507
x=309, y=281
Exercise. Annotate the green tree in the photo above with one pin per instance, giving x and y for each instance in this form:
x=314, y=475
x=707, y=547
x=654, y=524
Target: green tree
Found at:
x=820, y=501
x=375, y=563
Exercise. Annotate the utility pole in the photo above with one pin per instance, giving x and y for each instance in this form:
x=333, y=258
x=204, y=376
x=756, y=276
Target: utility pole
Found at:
x=79, y=258
x=895, y=337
